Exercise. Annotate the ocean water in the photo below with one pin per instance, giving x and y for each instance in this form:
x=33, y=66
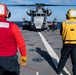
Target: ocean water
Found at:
x=59, y=23
x=19, y=23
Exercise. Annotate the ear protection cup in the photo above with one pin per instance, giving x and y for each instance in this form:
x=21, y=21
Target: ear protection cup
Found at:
x=8, y=14
x=66, y=16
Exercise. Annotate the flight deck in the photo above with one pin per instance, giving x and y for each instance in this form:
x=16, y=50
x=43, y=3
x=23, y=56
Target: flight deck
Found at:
x=43, y=49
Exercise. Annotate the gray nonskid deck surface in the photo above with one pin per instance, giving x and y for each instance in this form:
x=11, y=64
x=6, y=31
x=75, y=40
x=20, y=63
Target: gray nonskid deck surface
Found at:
x=38, y=58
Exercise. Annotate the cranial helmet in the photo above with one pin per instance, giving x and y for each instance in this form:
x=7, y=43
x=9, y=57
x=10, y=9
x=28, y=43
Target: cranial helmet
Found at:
x=71, y=13
x=4, y=12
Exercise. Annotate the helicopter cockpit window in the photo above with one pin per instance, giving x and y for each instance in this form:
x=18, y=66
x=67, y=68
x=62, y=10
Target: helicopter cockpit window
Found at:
x=38, y=14
x=34, y=14
x=42, y=14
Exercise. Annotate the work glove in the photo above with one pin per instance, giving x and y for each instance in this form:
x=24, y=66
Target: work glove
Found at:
x=23, y=60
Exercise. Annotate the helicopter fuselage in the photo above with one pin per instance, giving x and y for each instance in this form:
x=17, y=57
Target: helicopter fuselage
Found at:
x=38, y=21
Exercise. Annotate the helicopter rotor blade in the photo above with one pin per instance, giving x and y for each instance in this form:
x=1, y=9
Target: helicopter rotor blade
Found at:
x=57, y=5
x=21, y=5
x=38, y=4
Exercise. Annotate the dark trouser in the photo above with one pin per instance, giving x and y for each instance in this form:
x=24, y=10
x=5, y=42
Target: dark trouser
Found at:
x=9, y=63
x=65, y=52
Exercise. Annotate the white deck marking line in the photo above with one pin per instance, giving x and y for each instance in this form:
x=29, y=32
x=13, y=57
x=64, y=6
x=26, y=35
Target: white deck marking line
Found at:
x=51, y=52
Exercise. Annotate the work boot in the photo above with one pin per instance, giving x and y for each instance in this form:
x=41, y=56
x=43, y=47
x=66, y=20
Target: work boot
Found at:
x=58, y=72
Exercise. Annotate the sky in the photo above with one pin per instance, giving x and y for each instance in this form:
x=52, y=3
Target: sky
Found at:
x=18, y=13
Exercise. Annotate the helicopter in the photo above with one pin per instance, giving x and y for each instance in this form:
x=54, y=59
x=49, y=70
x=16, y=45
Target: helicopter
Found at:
x=38, y=16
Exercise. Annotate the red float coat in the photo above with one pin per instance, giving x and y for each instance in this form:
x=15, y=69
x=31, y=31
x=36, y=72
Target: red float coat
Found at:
x=11, y=39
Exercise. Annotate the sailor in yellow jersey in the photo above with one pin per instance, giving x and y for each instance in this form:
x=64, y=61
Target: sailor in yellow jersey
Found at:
x=68, y=33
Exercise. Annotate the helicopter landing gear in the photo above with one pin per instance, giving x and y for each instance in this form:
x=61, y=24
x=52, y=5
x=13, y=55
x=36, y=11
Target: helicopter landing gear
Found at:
x=23, y=27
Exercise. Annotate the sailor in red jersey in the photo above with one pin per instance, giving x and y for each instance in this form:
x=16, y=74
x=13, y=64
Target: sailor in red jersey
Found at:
x=11, y=40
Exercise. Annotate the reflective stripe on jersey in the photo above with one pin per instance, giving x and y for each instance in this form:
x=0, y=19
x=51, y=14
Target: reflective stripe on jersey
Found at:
x=70, y=23
x=4, y=25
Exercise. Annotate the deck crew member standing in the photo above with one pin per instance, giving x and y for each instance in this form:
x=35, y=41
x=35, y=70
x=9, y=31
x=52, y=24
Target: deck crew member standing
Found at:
x=11, y=39
x=68, y=33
